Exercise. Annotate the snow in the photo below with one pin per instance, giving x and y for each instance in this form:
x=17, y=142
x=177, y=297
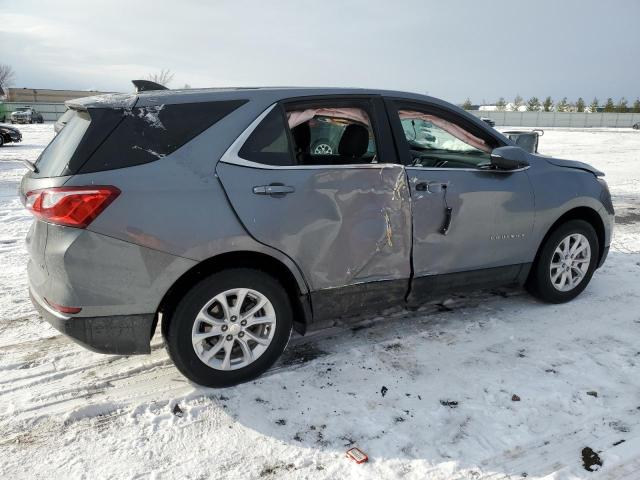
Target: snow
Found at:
x=448, y=372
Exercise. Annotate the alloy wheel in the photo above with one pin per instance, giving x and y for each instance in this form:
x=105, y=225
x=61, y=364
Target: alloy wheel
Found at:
x=233, y=329
x=323, y=149
x=570, y=262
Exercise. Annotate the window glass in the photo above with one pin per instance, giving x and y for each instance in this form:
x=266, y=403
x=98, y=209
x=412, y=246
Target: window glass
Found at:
x=57, y=155
x=269, y=142
x=435, y=142
x=332, y=136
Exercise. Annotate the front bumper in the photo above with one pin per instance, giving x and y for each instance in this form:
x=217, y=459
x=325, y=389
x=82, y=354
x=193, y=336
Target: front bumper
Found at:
x=15, y=137
x=119, y=335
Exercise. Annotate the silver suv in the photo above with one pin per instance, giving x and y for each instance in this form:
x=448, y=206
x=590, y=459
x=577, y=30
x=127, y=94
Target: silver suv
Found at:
x=210, y=212
x=26, y=115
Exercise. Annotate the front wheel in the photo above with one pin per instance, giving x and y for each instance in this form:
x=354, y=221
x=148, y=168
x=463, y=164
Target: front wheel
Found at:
x=229, y=328
x=566, y=263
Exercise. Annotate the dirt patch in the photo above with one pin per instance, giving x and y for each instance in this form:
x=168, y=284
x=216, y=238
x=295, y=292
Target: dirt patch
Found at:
x=628, y=218
x=300, y=354
x=590, y=460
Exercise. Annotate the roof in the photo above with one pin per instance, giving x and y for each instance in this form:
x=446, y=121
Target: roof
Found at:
x=272, y=94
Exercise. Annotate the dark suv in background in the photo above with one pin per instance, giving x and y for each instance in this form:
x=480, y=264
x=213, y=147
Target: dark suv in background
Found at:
x=211, y=212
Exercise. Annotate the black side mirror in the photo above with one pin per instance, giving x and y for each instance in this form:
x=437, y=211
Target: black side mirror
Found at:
x=509, y=158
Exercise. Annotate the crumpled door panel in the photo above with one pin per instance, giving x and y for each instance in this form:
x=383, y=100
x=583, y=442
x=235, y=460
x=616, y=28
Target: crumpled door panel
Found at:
x=342, y=226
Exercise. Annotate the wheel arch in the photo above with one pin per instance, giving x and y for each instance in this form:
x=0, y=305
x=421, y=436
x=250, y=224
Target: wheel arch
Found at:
x=585, y=213
x=300, y=301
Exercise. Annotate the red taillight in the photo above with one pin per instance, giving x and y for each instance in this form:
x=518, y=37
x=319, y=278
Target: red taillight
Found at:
x=70, y=206
x=62, y=308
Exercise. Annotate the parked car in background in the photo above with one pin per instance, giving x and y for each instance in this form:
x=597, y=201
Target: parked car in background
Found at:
x=9, y=134
x=488, y=121
x=210, y=212
x=525, y=139
x=26, y=115
x=62, y=121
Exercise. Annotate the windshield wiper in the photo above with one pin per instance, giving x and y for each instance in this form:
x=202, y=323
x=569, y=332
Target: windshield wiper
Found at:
x=30, y=165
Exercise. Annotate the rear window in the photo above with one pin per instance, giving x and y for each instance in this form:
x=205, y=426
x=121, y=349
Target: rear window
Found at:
x=111, y=138
x=55, y=157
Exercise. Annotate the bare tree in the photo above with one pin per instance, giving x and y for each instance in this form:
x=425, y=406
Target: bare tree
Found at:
x=7, y=76
x=163, y=77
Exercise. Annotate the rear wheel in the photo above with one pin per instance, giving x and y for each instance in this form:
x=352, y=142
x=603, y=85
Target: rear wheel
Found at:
x=229, y=328
x=1, y=140
x=566, y=263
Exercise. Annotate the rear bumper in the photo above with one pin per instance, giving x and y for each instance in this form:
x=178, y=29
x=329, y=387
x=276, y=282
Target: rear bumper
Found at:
x=119, y=335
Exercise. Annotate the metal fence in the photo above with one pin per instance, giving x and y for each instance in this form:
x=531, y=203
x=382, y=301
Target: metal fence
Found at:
x=559, y=119
x=50, y=111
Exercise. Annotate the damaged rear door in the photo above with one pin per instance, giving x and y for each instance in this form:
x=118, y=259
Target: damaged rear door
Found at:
x=347, y=226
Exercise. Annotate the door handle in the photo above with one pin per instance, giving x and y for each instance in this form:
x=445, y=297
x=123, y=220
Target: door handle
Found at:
x=430, y=187
x=274, y=190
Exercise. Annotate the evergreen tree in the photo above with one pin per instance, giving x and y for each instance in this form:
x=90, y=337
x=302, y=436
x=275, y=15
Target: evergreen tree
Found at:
x=547, y=105
x=517, y=103
x=609, y=106
x=563, y=105
x=580, y=105
x=622, y=105
x=533, y=105
x=501, y=104
x=594, y=105
x=467, y=104
x=636, y=106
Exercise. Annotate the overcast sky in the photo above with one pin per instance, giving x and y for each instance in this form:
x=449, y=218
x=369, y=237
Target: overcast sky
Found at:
x=452, y=49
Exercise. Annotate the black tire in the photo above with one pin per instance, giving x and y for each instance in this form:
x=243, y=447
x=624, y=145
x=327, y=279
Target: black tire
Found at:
x=539, y=282
x=1, y=140
x=178, y=340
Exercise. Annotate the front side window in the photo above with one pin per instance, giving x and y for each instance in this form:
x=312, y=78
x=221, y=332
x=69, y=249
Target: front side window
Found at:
x=438, y=143
x=332, y=135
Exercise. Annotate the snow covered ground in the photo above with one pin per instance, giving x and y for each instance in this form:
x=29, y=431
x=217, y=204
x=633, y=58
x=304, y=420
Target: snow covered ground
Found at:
x=491, y=385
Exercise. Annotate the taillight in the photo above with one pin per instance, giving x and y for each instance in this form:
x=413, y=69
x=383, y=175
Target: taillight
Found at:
x=70, y=206
x=62, y=308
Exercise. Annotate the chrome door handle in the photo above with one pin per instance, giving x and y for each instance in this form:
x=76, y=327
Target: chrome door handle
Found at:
x=430, y=187
x=275, y=190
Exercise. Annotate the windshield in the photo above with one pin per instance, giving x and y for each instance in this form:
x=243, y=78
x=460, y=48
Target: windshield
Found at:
x=56, y=156
x=23, y=109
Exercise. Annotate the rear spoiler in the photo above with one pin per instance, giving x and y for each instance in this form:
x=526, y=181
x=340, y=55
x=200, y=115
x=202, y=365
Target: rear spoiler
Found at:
x=146, y=85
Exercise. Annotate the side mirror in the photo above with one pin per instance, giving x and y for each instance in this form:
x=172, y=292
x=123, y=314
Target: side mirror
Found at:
x=509, y=158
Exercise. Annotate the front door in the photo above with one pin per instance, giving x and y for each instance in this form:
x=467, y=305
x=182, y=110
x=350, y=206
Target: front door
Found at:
x=471, y=225
x=341, y=214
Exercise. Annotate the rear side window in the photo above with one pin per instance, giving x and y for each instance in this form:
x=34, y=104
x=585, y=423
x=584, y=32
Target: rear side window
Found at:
x=56, y=156
x=269, y=142
x=109, y=138
x=146, y=134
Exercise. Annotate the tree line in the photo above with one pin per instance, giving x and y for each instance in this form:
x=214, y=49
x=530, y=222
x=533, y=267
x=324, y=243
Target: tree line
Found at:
x=564, y=105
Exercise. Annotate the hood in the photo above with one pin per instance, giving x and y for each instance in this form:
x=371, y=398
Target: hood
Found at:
x=575, y=165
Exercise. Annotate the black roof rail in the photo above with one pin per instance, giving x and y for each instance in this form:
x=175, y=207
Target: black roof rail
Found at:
x=146, y=85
